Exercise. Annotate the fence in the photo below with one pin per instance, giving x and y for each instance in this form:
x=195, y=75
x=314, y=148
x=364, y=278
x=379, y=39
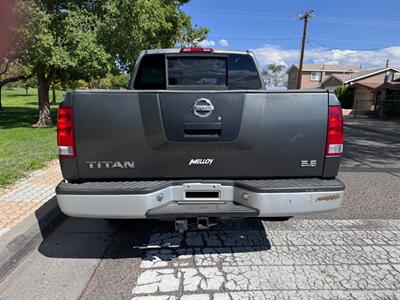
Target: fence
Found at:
x=380, y=108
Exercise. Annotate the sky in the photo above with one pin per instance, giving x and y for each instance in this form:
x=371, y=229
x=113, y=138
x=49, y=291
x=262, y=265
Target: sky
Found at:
x=359, y=32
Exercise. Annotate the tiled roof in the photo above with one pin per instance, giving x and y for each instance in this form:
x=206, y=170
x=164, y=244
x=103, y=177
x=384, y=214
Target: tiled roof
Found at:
x=347, y=77
x=390, y=85
x=328, y=67
x=371, y=84
x=353, y=77
x=367, y=73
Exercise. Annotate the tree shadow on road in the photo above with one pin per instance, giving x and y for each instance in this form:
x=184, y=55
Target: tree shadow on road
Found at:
x=371, y=150
x=90, y=238
x=228, y=237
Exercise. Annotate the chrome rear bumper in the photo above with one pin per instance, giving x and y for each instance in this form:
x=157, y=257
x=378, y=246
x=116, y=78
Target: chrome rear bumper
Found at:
x=196, y=199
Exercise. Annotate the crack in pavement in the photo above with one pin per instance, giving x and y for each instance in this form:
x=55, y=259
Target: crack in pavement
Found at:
x=319, y=259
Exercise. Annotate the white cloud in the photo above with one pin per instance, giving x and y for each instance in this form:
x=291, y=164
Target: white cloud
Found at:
x=367, y=58
x=223, y=42
x=207, y=43
x=275, y=54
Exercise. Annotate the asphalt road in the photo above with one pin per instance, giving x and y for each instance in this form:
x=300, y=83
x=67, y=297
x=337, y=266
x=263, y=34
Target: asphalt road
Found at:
x=353, y=253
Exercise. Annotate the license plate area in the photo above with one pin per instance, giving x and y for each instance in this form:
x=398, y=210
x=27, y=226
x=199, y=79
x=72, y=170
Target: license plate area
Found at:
x=194, y=195
x=202, y=192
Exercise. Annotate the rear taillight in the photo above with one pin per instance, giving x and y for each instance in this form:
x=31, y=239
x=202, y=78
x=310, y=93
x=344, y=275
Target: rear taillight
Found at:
x=65, y=132
x=197, y=50
x=334, y=142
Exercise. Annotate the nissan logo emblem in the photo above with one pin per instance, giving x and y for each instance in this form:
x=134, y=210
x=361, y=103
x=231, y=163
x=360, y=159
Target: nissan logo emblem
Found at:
x=202, y=108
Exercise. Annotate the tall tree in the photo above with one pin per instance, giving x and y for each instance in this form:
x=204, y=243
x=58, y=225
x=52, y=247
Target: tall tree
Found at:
x=274, y=74
x=86, y=39
x=11, y=47
x=62, y=39
x=129, y=26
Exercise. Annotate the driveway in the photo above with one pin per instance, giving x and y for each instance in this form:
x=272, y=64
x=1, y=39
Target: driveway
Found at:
x=353, y=253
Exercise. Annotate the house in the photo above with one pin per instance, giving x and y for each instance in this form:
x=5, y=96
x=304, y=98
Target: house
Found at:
x=389, y=90
x=389, y=98
x=385, y=98
x=313, y=75
x=366, y=87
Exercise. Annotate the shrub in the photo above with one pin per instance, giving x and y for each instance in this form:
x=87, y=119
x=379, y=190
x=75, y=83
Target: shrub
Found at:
x=345, y=96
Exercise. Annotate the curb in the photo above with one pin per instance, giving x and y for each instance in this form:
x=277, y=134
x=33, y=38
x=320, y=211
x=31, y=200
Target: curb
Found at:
x=23, y=239
x=384, y=132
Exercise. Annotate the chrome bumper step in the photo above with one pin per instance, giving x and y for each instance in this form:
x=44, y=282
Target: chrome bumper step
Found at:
x=187, y=209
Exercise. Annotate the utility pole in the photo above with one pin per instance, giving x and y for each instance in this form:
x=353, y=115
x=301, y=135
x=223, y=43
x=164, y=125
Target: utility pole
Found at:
x=305, y=16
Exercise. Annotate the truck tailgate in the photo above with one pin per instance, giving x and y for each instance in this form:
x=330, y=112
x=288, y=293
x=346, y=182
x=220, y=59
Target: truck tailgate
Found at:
x=130, y=134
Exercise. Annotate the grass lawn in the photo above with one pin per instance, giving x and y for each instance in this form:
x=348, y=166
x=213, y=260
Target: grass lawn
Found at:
x=23, y=148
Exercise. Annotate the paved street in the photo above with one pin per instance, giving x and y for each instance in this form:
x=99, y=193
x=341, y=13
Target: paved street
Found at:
x=353, y=253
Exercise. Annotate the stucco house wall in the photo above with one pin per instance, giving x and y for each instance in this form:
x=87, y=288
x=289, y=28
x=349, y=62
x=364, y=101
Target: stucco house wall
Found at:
x=292, y=79
x=307, y=83
x=364, y=99
x=364, y=93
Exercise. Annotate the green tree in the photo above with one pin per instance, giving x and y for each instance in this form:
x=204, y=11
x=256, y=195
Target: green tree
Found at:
x=129, y=26
x=29, y=83
x=26, y=84
x=77, y=39
x=76, y=84
x=345, y=96
x=62, y=38
x=114, y=81
x=274, y=74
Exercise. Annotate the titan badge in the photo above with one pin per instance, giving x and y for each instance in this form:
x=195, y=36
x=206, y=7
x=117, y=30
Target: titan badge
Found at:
x=108, y=164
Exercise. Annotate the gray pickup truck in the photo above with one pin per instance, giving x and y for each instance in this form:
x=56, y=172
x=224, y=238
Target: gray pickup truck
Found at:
x=197, y=136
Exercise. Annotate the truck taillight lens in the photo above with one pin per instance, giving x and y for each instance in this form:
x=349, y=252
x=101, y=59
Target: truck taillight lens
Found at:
x=197, y=50
x=334, y=144
x=65, y=132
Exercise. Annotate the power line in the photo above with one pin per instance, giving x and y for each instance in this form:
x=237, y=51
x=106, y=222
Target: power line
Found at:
x=345, y=54
x=339, y=66
x=285, y=17
x=335, y=48
x=351, y=41
x=328, y=18
x=357, y=21
x=244, y=13
x=251, y=38
x=315, y=39
x=246, y=17
x=324, y=57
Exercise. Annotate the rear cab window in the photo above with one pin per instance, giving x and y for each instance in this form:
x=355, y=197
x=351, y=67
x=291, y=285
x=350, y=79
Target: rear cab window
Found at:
x=197, y=71
x=217, y=71
x=151, y=73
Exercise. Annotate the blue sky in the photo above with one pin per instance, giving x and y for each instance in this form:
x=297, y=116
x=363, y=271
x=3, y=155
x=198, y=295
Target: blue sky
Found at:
x=362, y=32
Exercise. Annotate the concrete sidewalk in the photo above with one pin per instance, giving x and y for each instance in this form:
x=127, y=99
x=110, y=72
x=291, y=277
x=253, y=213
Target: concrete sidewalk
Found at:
x=388, y=127
x=24, y=197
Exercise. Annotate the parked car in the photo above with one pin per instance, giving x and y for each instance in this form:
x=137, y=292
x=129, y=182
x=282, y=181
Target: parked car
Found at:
x=196, y=136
